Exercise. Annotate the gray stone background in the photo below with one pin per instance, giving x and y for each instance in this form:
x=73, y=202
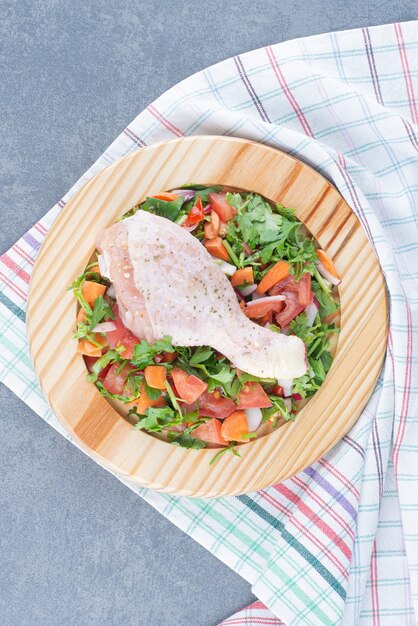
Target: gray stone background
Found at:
x=76, y=546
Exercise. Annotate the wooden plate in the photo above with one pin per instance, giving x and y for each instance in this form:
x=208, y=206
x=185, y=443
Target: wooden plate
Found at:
x=105, y=434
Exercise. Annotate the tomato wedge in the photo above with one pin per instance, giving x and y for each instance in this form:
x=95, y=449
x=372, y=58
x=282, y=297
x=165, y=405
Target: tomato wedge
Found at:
x=196, y=214
x=219, y=204
x=253, y=396
x=210, y=431
x=128, y=342
x=298, y=294
x=114, y=382
x=235, y=427
x=115, y=336
x=189, y=387
x=212, y=404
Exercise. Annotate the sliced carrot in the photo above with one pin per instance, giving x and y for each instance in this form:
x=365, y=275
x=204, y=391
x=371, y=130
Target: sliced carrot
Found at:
x=95, y=269
x=166, y=196
x=242, y=305
x=155, y=375
x=212, y=228
x=81, y=315
x=235, y=426
x=90, y=291
x=244, y=276
x=216, y=248
x=279, y=271
x=90, y=349
x=144, y=402
x=327, y=263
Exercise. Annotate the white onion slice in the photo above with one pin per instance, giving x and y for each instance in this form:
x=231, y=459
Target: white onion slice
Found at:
x=327, y=275
x=190, y=229
x=248, y=290
x=104, y=327
x=270, y=299
x=110, y=291
x=103, y=266
x=287, y=384
x=254, y=417
x=227, y=268
x=256, y=296
x=288, y=403
x=311, y=313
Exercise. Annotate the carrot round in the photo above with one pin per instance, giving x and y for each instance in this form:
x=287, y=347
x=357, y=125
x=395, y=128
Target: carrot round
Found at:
x=327, y=263
x=155, y=375
x=216, y=248
x=88, y=348
x=278, y=272
x=166, y=196
x=235, y=426
x=244, y=276
x=90, y=291
x=144, y=402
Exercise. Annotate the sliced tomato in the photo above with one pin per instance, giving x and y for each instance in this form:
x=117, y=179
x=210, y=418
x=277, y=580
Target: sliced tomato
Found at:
x=165, y=357
x=212, y=404
x=219, y=204
x=114, y=382
x=189, y=387
x=210, y=431
x=291, y=310
x=196, y=214
x=298, y=294
x=128, y=342
x=278, y=391
x=253, y=396
x=115, y=336
x=305, y=292
x=259, y=309
x=90, y=361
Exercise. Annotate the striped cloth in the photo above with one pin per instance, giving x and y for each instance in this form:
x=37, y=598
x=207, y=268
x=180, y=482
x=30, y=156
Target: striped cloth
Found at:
x=338, y=543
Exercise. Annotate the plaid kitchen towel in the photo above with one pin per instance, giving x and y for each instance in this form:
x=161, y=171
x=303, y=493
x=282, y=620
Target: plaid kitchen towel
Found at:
x=338, y=543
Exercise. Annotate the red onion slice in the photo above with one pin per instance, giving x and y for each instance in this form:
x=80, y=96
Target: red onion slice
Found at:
x=248, y=290
x=187, y=194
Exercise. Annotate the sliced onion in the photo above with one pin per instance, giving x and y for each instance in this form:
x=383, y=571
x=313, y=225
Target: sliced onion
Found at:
x=187, y=194
x=286, y=384
x=110, y=291
x=270, y=299
x=190, y=229
x=248, y=290
x=228, y=268
x=103, y=266
x=311, y=313
x=254, y=417
x=288, y=403
x=104, y=327
x=256, y=296
x=327, y=275
x=207, y=209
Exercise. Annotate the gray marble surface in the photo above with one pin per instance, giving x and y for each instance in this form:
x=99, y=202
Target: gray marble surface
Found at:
x=76, y=546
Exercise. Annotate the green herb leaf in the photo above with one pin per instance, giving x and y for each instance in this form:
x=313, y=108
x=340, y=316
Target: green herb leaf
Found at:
x=170, y=210
x=102, y=310
x=144, y=352
x=185, y=440
x=200, y=355
x=230, y=448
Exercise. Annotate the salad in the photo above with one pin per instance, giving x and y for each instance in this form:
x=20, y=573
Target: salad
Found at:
x=195, y=397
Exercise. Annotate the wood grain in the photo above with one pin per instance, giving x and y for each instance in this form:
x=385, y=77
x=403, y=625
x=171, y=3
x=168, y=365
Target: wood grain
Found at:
x=89, y=417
